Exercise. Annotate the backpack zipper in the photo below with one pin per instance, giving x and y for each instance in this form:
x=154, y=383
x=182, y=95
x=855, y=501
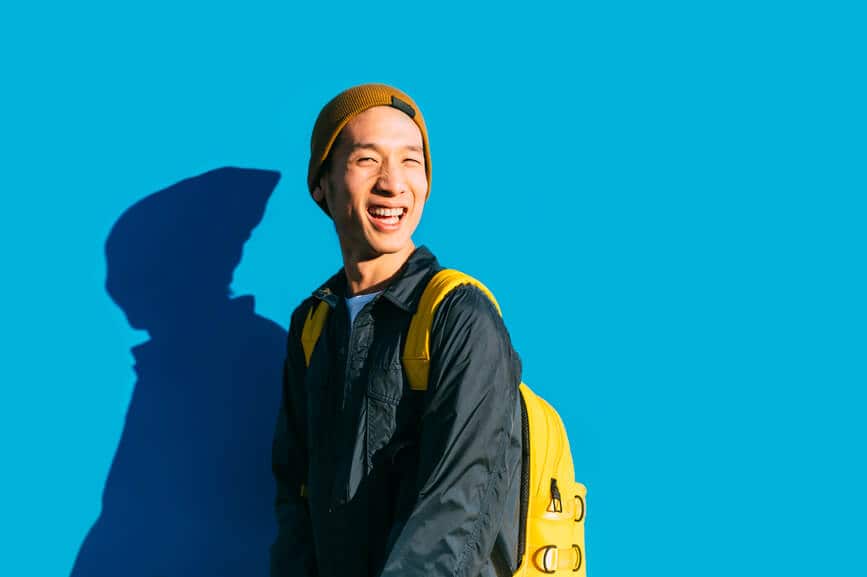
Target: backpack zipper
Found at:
x=523, y=508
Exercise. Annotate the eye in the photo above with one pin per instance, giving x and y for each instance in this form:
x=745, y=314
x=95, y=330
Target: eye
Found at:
x=366, y=160
x=412, y=160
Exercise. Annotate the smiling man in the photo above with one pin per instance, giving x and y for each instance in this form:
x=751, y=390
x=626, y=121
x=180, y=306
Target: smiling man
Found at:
x=376, y=478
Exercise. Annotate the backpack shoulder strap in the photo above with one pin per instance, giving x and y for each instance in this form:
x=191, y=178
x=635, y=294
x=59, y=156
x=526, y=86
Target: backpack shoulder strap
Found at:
x=313, y=325
x=416, y=352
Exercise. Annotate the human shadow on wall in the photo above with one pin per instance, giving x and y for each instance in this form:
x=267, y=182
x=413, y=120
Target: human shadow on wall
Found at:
x=189, y=492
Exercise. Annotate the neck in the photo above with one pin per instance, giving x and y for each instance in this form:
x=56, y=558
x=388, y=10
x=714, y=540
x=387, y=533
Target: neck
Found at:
x=373, y=274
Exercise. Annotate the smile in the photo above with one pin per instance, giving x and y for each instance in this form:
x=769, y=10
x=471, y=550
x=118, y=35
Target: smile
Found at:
x=386, y=217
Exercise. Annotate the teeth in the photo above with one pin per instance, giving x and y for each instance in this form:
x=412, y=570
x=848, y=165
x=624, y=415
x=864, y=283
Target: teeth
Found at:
x=376, y=211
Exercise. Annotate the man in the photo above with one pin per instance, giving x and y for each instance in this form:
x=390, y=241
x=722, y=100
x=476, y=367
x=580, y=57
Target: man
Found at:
x=374, y=478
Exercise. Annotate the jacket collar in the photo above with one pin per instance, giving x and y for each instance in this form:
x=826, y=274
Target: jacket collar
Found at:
x=404, y=291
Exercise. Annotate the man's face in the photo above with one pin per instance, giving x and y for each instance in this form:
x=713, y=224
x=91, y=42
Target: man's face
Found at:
x=376, y=183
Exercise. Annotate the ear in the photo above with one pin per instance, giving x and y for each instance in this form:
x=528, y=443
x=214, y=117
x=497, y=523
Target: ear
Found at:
x=318, y=193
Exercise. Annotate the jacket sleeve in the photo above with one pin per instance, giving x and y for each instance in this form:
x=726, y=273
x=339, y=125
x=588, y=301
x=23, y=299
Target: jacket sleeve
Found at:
x=465, y=449
x=292, y=552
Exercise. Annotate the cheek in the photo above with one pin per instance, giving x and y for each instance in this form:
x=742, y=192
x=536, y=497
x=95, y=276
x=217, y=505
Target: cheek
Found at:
x=341, y=211
x=355, y=199
x=417, y=210
x=339, y=202
x=420, y=187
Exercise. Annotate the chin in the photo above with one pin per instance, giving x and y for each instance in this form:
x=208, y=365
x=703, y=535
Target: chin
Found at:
x=390, y=246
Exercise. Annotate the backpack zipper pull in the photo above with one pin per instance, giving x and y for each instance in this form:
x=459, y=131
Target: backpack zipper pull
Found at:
x=556, y=505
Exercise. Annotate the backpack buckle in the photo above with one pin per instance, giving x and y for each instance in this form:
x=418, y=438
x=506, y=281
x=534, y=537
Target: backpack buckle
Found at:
x=549, y=560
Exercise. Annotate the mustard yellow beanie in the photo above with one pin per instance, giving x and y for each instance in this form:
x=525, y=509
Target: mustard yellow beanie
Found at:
x=343, y=108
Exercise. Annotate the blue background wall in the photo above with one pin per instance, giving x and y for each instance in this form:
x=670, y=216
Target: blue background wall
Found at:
x=667, y=199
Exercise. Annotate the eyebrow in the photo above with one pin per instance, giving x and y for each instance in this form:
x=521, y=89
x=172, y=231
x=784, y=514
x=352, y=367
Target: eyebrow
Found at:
x=372, y=146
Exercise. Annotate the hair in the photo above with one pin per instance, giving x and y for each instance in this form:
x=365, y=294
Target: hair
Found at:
x=325, y=168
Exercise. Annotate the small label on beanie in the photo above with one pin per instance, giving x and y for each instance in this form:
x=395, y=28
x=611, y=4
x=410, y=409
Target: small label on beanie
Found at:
x=403, y=106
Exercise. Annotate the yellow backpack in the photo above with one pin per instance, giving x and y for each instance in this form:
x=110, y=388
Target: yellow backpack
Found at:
x=551, y=527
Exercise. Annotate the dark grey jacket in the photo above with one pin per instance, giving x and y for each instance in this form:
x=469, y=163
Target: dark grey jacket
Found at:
x=397, y=482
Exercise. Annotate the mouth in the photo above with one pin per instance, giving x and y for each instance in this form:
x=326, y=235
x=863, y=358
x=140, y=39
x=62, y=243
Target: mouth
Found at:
x=386, y=217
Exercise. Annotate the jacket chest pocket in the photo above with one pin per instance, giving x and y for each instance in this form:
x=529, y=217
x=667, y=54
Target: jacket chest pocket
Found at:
x=384, y=393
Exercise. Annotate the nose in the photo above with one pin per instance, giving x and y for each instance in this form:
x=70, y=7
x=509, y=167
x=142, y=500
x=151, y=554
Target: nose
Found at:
x=391, y=180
